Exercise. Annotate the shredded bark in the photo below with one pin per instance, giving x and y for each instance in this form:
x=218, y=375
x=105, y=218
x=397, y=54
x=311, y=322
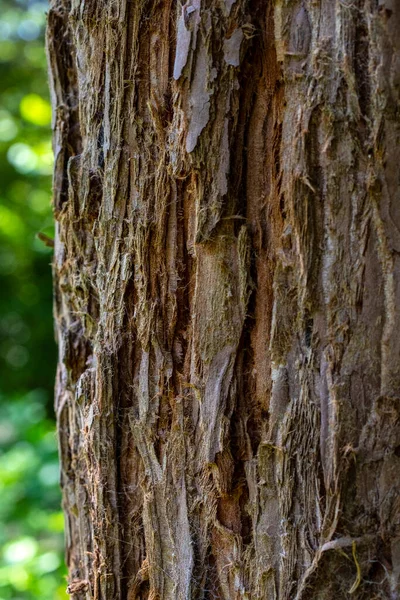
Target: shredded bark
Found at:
x=226, y=276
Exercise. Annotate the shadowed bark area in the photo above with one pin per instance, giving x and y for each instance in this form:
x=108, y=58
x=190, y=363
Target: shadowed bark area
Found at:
x=227, y=287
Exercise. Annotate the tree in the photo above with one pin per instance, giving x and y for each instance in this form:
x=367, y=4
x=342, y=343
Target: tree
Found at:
x=226, y=297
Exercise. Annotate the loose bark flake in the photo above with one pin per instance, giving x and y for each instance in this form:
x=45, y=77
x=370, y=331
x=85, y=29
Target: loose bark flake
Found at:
x=226, y=277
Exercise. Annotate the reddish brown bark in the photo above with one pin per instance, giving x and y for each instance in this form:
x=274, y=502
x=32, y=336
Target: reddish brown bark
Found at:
x=226, y=297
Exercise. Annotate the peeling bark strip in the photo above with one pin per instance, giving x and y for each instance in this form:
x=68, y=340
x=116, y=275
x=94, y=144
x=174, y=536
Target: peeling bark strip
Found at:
x=227, y=292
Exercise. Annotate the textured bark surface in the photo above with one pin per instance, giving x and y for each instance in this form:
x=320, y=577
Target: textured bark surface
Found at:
x=227, y=292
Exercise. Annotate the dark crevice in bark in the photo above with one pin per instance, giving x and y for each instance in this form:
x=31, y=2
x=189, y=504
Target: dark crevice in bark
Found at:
x=361, y=65
x=61, y=52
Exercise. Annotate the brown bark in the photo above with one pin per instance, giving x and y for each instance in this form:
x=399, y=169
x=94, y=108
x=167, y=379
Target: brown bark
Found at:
x=227, y=287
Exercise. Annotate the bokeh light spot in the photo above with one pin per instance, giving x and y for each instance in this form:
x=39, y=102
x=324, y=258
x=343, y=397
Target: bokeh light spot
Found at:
x=47, y=562
x=5, y=30
x=49, y=474
x=35, y=109
x=8, y=50
x=22, y=157
x=20, y=551
x=39, y=201
x=28, y=30
x=11, y=225
x=17, y=356
x=8, y=127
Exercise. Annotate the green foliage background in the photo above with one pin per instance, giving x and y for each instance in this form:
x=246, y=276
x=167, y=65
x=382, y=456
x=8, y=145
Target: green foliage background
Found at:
x=31, y=522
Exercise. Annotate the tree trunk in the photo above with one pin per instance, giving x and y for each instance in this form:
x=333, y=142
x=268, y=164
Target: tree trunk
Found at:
x=227, y=293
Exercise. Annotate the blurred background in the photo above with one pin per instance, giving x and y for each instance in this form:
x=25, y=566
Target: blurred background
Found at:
x=31, y=522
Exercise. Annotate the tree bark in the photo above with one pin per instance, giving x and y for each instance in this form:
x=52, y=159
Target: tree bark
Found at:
x=227, y=292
